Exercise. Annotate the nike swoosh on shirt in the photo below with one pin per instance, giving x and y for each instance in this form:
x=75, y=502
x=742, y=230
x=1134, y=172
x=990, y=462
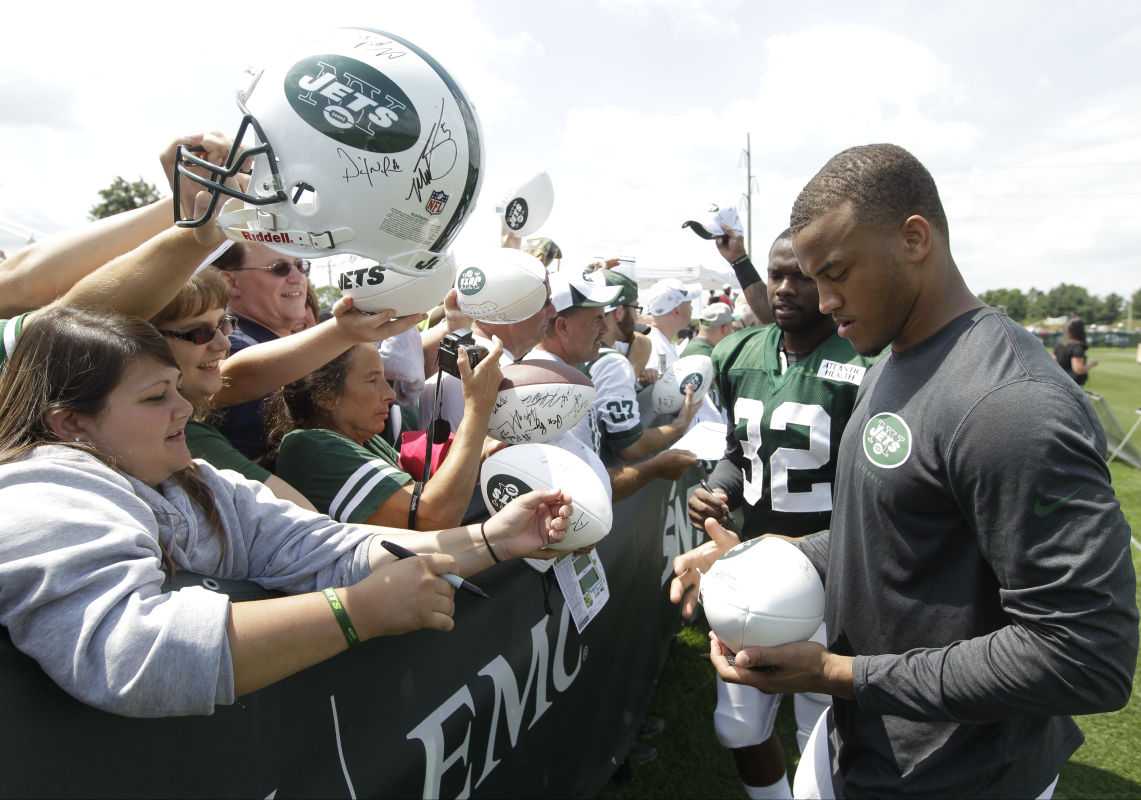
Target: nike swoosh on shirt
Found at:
x=1043, y=510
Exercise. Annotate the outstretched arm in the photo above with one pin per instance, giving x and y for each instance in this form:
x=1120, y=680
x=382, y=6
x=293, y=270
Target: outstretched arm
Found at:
x=257, y=370
x=731, y=246
x=41, y=272
x=668, y=464
x=445, y=497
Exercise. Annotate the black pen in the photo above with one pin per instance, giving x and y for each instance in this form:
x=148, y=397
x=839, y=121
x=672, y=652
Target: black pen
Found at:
x=454, y=580
x=726, y=524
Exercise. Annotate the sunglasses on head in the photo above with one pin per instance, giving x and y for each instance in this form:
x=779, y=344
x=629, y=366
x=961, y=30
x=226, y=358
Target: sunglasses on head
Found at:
x=280, y=269
x=205, y=333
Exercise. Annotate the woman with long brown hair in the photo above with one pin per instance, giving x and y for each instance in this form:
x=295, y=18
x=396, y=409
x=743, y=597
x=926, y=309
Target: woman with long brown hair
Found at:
x=100, y=502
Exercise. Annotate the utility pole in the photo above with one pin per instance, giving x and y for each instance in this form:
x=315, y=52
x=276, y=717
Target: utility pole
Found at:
x=749, y=191
x=747, y=197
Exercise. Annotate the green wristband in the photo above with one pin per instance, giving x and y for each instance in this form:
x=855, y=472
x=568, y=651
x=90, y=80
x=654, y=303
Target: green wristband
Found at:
x=342, y=618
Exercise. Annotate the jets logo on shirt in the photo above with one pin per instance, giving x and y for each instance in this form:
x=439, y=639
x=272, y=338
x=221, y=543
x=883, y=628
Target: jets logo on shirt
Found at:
x=887, y=440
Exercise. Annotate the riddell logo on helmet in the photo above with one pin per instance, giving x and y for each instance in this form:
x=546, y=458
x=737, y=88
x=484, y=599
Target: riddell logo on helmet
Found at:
x=352, y=103
x=279, y=238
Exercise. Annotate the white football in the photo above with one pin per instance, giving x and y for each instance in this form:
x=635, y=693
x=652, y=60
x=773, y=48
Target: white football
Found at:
x=502, y=285
x=763, y=592
x=669, y=391
x=522, y=468
x=374, y=288
x=538, y=400
x=524, y=209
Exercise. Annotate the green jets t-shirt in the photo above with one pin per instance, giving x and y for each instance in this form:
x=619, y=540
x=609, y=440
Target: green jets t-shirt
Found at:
x=346, y=480
x=697, y=347
x=209, y=444
x=784, y=429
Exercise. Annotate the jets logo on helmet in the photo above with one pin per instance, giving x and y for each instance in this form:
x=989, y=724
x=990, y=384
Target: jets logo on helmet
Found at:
x=352, y=103
x=360, y=144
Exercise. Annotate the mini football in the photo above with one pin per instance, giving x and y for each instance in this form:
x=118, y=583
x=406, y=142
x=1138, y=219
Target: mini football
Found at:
x=763, y=592
x=539, y=400
x=525, y=208
x=374, y=288
x=669, y=391
x=501, y=286
x=522, y=468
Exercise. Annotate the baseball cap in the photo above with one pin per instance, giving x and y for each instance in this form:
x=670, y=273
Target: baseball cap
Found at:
x=571, y=289
x=716, y=314
x=629, y=294
x=666, y=295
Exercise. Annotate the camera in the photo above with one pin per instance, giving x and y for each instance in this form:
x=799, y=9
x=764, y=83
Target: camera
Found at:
x=450, y=349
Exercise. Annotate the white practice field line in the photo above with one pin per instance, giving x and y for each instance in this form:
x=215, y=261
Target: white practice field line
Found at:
x=1136, y=543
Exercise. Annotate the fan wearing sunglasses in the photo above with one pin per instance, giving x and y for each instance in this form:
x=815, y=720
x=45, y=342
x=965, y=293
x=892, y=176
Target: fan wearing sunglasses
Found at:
x=267, y=298
x=197, y=326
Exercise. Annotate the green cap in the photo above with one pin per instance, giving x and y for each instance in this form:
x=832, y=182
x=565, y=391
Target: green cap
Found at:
x=629, y=294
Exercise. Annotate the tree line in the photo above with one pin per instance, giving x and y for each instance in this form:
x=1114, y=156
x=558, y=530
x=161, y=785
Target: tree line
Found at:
x=1063, y=300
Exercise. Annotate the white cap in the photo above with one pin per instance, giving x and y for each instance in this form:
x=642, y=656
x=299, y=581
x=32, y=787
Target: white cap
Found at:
x=666, y=295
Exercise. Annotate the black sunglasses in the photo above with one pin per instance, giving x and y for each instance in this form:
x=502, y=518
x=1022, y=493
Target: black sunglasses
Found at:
x=279, y=268
x=205, y=333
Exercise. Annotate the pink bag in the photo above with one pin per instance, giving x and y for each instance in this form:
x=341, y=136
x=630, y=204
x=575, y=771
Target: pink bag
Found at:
x=413, y=445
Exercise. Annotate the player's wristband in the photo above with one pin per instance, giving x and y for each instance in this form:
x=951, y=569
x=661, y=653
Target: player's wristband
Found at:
x=746, y=272
x=342, y=617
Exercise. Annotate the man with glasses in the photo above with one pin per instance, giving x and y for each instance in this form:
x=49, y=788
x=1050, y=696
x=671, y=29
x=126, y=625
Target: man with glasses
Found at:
x=267, y=299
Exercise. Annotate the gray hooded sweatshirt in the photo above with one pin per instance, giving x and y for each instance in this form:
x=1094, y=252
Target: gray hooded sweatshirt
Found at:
x=81, y=576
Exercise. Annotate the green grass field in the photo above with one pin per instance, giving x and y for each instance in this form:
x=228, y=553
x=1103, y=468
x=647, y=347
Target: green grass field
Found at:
x=690, y=762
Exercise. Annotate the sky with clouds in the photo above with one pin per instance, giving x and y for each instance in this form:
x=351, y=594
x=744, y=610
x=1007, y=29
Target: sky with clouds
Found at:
x=1028, y=114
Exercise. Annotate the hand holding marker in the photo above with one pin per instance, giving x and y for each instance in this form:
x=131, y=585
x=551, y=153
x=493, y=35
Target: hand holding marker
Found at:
x=455, y=580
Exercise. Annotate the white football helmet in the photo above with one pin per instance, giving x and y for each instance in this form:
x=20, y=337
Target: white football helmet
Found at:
x=364, y=145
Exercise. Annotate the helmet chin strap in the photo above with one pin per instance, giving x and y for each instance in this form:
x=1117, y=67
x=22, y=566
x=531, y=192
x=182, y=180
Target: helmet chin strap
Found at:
x=248, y=224
x=244, y=223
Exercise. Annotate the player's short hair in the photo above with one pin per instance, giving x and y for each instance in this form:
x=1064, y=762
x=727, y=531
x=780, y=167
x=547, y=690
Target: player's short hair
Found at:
x=884, y=183
x=785, y=234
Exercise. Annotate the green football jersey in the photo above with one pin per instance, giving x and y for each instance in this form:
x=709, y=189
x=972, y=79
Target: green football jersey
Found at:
x=784, y=429
x=346, y=480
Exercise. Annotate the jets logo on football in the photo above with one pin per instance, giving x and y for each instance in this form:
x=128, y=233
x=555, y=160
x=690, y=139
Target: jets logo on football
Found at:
x=502, y=489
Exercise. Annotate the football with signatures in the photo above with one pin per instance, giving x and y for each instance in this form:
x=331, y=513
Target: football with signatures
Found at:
x=523, y=468
x=763, y=592
x=669, y=391
x=539, y=400
x=374, y=288
x=501, y=286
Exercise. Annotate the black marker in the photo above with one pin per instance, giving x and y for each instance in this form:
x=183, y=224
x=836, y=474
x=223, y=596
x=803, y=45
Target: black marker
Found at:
x=726, y=525
x=454, y=580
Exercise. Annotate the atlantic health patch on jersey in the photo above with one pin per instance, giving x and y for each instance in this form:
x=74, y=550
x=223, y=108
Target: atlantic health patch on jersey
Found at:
x=845, y=373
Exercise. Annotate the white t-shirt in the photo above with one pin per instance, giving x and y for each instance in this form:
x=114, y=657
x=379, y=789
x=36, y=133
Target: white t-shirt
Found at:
x=662, y=351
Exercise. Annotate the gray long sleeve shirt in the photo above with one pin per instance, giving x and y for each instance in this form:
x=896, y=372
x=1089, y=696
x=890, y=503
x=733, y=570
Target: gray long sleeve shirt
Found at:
x=81, y=576
x=980, y=570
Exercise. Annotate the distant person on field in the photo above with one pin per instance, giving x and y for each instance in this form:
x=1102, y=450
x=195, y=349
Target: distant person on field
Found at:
x=1070, y=352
